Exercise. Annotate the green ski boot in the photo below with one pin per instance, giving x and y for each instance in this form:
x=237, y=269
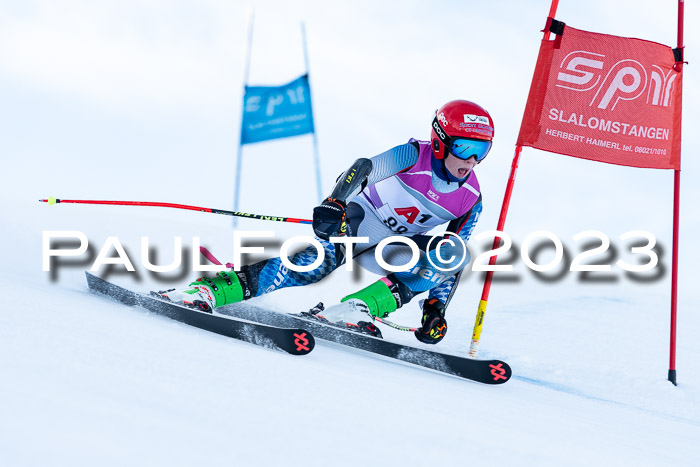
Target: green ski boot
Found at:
x=207, y=293
x=359, y=309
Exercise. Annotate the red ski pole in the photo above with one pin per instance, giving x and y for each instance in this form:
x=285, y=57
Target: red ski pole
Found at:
x=51, y=201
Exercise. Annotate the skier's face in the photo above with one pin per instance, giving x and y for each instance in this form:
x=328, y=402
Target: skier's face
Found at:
x=459, y=168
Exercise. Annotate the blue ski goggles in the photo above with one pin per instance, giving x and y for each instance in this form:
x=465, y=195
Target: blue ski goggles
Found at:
x=464, y=148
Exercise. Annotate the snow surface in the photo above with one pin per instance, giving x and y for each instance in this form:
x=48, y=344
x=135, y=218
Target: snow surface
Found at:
x=142, y=103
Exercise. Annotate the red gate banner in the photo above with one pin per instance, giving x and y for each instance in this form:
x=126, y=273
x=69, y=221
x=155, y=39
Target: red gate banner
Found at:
x=605, y=98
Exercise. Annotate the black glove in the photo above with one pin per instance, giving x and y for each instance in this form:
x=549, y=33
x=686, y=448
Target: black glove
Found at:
x=329, y=219
x=434, y=325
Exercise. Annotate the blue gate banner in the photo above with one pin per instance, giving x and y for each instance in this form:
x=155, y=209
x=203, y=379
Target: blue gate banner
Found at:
x=271, y=112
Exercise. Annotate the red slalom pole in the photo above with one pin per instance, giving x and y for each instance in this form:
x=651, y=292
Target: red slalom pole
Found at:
x=481, y=311
x=51, y=201
x=676, y=222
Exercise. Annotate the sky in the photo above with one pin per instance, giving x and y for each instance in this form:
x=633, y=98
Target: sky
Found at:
x=142, y=101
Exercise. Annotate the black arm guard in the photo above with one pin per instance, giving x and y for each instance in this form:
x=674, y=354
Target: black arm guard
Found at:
x=353, y=180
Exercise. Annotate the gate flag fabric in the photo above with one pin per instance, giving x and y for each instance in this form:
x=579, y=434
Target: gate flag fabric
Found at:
x=605, y=98
x=271, y=112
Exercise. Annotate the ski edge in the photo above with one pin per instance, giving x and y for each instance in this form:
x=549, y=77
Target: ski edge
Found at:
x=291, y=340
x=491, y=371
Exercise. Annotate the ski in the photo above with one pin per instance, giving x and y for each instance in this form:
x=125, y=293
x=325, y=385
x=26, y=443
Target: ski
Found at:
x=295, y=334
x=294, y=340
x=482, y=371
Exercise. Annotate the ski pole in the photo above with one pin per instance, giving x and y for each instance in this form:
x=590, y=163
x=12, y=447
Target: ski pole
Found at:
x=394, y=325
x=52, y=201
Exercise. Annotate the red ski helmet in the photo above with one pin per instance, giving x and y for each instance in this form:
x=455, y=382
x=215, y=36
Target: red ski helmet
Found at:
x=458, y=120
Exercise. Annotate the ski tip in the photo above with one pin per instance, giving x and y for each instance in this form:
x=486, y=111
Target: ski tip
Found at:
x=500, y=372
x=51, y=200
x=304, y=342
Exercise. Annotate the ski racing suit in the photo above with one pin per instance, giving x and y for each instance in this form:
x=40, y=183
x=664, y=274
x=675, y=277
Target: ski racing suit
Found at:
x=404, y=191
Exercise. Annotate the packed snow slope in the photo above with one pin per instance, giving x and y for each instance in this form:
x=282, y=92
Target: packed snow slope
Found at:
x=141, y=101
x=90, y=381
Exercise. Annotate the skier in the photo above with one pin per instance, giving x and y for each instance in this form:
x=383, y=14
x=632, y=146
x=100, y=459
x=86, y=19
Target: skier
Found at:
x=405, y=191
